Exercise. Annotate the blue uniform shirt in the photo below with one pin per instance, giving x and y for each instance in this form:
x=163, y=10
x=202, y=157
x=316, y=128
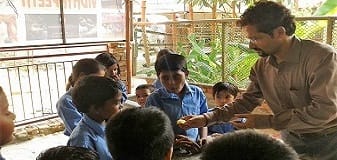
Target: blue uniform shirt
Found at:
x=221, y=128
x=193, y=103
x=90, y=134
x=68, y=112
x=157, y=84
x=122, y=88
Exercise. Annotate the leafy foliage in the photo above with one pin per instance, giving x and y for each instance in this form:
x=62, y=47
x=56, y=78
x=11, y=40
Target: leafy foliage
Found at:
x=207, y=64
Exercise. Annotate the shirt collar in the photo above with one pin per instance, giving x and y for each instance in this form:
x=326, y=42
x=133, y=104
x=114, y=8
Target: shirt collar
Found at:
x=166, y=94
x=293, y=55
x=98, y=128
x=294, y=52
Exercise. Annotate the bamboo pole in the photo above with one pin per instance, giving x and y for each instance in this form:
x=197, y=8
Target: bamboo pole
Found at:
x=174, y=33
x=144, y=35
x=128, y=53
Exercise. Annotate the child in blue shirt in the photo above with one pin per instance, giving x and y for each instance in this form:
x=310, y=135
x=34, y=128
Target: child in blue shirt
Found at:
x=6, y=121
x=177, y=98
x=113, y=71
x=223, y=93
x=65, y=107
x=98, y=98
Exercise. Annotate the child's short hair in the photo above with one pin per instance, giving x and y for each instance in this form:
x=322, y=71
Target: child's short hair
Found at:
x=140, y=133
x=171, y=62
x=84, y=66
x=248, y=144
x=107, y=60
x=68, y=153
x=225, y=86
x=146, y=86
x=93, y=91
x=164, y=52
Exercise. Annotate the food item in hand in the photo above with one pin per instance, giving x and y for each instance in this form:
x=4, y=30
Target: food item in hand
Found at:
x=240, y=120
x=181, y=121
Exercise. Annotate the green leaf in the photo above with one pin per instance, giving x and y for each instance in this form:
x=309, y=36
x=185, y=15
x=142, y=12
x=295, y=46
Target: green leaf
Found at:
x=329, y=7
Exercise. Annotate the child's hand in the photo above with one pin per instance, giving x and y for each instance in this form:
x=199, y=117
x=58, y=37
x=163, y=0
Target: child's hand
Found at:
x=116, y=77
x=186, y=144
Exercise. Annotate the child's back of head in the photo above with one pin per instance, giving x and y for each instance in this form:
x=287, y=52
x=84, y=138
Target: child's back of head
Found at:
x=86, y=66
x=140, y=134
x=248, y=144
x=68, y=153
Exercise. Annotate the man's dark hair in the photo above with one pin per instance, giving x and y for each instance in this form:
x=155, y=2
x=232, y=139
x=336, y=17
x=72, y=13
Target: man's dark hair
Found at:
x=107, y=60
x=225, y=86
x=268, y=15
x=171, y=62
x=93, y=91
x=68, y=153
x=146, y=86
x=248, y=144
x=139, y=134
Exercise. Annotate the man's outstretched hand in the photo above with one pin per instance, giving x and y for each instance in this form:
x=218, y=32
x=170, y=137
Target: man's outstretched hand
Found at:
x=192, y=121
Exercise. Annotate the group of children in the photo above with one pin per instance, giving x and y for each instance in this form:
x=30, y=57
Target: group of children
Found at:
x=96, y=94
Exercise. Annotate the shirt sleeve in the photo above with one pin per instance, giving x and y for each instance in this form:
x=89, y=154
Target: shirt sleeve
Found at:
x=122, y=87
x=81, y=140
x=69, y=114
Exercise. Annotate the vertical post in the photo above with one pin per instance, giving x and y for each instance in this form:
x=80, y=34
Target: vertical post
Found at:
x=223, y=51
x=144, y=35
x=331, y=22
x=127, y=44
x=174, y=32
x=63, y=31
x=190, y=10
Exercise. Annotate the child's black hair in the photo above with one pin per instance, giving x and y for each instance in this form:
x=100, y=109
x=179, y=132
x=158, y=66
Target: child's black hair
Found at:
x=107, y=60
x=146, y=86
x=225, y=86
x=85, y=66
x=93, y=91
x=171, y=62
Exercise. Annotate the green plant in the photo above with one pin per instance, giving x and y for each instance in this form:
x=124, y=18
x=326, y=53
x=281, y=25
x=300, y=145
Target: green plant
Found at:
x=205, y=61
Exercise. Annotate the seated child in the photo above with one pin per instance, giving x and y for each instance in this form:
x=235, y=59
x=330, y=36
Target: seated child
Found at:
x=140, y=134
x=142, y=92
x=113, y=71
x=248, y=145
x=223, y=93
x=98, y=98
x=68, y=153
x=65, y=107
x=6, y=121
x=177, y=98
